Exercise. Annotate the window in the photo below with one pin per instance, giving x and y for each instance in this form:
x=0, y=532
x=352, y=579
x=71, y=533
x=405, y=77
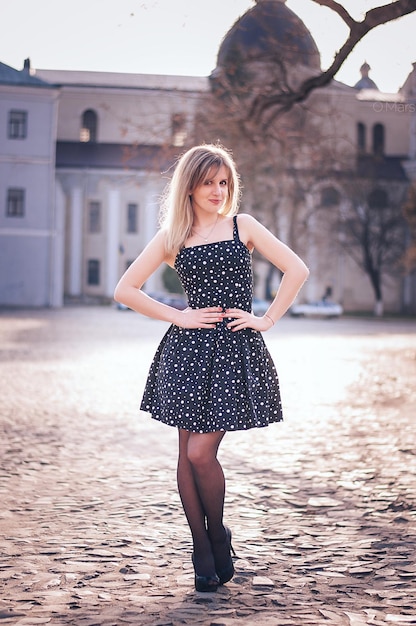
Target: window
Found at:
x=93, y=272
x=132, y=214
x=378, y=139
x=89, y=126
x=17, y=124
x=15, y=203
x=329, y=197
x=361, y=137
x=178, y=130
x=94, y=217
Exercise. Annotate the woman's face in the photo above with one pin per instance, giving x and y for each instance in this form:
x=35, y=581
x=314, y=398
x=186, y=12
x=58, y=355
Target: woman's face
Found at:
x=211, y=195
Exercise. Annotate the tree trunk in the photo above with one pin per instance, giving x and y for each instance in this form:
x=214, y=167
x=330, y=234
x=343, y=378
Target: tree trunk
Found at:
x=378, y=308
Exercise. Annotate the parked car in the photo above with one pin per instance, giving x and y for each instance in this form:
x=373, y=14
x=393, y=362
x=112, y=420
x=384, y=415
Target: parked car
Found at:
x=175, y=300
x=259, y=306
x=321, y=308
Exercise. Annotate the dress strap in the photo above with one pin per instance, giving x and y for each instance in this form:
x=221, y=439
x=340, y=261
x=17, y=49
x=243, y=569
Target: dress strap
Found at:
x=236, y=235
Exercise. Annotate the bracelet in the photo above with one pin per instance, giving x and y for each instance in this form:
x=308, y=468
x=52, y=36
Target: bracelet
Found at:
x=269, y=318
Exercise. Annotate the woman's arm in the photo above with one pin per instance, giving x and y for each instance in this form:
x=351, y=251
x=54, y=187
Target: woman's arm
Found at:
x=255, y=235
x=129, y=291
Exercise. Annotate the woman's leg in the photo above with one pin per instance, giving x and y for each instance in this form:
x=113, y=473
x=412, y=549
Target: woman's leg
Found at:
x=209, y=478
x=210, y=483
x=201, y=487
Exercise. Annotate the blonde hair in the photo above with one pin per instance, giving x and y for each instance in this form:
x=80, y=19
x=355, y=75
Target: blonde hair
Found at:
x=192, y=168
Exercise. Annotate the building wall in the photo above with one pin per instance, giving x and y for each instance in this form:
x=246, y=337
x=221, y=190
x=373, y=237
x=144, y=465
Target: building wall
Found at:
x=110, y=245
x=28, y=244
x=127, y=116
x=338, y=112
x=393, y=114
x=39, y=266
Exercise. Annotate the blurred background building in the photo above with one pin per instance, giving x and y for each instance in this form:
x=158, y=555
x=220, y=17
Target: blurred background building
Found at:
x=85, y=156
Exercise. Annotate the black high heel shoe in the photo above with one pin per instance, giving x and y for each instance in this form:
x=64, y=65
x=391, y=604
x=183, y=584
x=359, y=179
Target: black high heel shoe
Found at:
x=205, y=583
x=226, y=573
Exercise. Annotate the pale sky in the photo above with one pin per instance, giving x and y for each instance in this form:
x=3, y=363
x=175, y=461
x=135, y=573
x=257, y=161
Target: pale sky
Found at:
x=182, y=37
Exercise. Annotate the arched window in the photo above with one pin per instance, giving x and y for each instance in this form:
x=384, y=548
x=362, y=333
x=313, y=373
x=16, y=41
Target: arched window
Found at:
x=361, y=137
x=178, y=130
x=378, y=199
x=329, y=197
x=89, y=126
x=378, y=139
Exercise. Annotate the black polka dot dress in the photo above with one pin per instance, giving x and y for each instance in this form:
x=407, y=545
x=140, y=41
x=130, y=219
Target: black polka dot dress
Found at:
x=207, y=380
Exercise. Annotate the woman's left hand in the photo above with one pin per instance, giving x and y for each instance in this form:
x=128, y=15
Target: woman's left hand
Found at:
x=244, y=319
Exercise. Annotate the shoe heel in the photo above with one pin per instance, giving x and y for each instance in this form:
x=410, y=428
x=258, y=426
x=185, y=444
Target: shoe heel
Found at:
x=226, y=574
x=229, y=536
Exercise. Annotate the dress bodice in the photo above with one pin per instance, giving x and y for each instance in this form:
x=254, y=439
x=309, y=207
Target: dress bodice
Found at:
x=217, y=274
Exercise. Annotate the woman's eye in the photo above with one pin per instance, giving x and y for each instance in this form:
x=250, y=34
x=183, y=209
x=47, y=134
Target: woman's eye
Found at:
x=222, y=182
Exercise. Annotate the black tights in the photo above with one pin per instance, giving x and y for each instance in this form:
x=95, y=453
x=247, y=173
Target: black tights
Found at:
x=201, y=487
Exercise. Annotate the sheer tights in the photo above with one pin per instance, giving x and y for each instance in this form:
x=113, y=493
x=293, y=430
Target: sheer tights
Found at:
x=201, y=487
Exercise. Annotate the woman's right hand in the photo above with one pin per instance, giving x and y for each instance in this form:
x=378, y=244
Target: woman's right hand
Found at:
x=207, y=317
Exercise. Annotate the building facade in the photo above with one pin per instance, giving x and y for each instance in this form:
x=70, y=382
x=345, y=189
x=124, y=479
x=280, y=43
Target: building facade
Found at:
x=31, y=228
x=97, y=149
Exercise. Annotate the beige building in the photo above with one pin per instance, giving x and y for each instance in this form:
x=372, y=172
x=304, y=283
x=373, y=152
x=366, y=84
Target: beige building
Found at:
x=115, y=136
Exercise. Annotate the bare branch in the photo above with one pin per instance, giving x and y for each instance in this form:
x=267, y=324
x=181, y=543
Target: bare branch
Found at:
x=338, y=8
x=283, y=101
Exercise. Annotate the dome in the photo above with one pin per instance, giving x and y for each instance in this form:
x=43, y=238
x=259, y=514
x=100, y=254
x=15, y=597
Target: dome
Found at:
x=268, y=32
x=365, y=81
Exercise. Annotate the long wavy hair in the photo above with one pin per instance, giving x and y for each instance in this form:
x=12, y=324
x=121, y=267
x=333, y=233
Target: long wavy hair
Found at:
x=191, y=170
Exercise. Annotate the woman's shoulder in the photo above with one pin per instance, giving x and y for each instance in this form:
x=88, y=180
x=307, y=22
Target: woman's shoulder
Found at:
x=246, y=224
x=245, y=218
x=161, y=240
x=158, y=246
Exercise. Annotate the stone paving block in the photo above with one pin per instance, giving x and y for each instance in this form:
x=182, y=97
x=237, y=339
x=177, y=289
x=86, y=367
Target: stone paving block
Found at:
x=322, y=506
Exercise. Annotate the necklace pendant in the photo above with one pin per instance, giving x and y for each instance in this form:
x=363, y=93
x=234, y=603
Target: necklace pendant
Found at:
x=205, y=239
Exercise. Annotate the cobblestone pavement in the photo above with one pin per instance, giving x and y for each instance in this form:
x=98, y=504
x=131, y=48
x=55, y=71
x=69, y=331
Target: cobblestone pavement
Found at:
x=322, y=507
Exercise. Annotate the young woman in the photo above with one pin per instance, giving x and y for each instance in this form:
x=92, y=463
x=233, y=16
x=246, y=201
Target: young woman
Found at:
x=212, y=372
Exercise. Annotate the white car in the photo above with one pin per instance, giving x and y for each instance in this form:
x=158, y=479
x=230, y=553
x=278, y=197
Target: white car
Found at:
x=322, y=308
x=259, y=306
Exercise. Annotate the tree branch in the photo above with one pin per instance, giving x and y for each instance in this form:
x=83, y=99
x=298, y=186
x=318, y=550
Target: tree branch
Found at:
x=283, y=101
x=338, y=8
